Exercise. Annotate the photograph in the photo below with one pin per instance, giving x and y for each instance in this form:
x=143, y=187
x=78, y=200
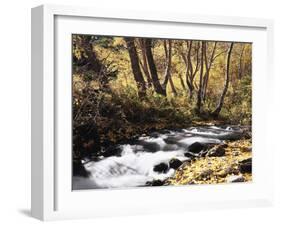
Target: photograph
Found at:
x=150, y=111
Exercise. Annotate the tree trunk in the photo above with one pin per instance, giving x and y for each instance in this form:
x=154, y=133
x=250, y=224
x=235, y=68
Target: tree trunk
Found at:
x=154, y=75
x=208, y=65
x=168, y=53
x=144, y=64
x=168, y=76
x=240, y=69
x=135, y=66
x=190, y=70
x=199, y=93
x=182, y=82
x=226, y=83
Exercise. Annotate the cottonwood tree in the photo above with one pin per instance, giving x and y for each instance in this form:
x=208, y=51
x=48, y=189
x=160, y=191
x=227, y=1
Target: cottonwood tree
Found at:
x=143, y=61
x=191, y=68
x=135, y=66
x=168, y=76
x=208, y=65
x=152, y=67
x=240, y=67
x=199, y=92
x=216, y=112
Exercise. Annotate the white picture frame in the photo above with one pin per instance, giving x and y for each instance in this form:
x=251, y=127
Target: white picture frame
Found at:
x=52, y=197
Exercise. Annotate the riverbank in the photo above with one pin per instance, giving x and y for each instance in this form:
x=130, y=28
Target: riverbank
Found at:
x=217, y=169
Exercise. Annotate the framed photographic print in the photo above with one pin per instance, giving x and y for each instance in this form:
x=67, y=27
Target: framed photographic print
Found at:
x=148, y=112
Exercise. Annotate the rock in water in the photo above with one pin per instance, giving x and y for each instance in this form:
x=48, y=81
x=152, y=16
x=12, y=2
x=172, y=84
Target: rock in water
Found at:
x=155, y=134
x=190, y=155
x=150, y=146
x=111, y=151
x=175, y=163
x=79, y=169
x=216, y=151
x=161, y=168
x=196, y=147
x=235, y=178
x=155, y=183
x=245, y=166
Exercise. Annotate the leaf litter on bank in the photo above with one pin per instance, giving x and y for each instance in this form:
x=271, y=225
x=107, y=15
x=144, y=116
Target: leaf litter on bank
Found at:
x=214, y=170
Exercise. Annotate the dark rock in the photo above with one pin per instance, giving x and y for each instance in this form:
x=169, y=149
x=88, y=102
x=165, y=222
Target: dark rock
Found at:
x=154, y=134
x=190, y=154
x=196, y=147
x=78, y=169
x=172, y=140
x=184, y=164
x=245, y=166
x=175, y=163
x=155, y=183
x=149, y=146
x=165, y=131
x=216, y=151
x=112, y=151
x=161, y=168
x=248, y=149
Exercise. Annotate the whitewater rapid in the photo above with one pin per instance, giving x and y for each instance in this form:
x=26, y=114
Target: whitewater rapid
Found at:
x=134, y=166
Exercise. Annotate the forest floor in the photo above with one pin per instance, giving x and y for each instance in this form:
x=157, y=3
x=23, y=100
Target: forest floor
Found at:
x=234, y=166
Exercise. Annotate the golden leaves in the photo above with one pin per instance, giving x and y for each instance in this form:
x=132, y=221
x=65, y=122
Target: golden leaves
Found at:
x=214, y=170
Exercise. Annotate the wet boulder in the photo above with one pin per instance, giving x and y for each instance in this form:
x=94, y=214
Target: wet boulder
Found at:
x=155, y=134
x=175, y=163
x=155, y=183
x=112, y=151
x=216, y=151
x=79, y=169
x=161, y=168
x=149, y=146
x=196, y=147
x=172, y=140
x=190, y=155
x=245, y=166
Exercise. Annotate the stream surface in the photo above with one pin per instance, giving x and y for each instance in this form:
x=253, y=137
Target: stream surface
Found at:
x=134, y=165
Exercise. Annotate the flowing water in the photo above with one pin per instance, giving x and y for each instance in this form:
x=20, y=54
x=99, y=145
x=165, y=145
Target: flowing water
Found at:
x=134, y=165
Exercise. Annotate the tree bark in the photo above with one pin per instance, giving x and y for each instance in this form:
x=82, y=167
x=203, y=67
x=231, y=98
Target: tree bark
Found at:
x=144, y=62
x=168, y=53
x=226, y=83
x=208, y=65
x=182, y=82
x=154, y=75
x=240, y=69
x=190, y=70
x=135, y=66
x=168, y=76
x=199, y=93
